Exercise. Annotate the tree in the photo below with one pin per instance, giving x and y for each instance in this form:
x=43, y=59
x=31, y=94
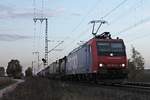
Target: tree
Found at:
x=28, y=72
x=2, y=71
x=137, y=59
x=14, y=69
x=135, y=64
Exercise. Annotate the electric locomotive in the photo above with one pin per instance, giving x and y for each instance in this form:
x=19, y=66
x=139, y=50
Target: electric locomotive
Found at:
x=99, y=58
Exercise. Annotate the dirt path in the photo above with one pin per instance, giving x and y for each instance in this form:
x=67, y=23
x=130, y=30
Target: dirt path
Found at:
x=10, y=87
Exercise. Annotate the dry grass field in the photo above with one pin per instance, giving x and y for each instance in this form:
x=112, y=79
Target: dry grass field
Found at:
x=44, y=89
x=5, y=81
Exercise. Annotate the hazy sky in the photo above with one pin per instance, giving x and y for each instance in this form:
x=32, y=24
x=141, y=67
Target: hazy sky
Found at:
x=69, y=22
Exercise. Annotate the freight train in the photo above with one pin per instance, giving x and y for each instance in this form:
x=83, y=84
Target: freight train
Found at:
x=99, y=58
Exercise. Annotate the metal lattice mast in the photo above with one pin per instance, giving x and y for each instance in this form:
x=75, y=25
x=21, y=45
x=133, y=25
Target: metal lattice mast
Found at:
x=46, y=42
x=46, y=37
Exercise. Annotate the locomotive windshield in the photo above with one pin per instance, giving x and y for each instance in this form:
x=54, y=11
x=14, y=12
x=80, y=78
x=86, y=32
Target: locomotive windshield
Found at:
x=111, y=49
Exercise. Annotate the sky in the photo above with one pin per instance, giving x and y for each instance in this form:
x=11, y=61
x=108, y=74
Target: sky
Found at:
x=68, y=21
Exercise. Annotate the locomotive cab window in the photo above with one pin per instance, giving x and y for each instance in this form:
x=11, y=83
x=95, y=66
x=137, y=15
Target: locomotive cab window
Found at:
x=107, y=48
x=103, y=46
x=117, y=47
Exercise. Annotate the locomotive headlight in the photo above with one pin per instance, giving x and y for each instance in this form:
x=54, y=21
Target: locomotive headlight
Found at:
x=123, y=65
x=111, y=54
x=100, y=65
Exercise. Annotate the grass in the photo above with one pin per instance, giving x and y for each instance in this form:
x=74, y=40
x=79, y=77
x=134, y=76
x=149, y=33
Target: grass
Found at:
x=141, y=78
x=5, y=81
x=35, y=89
x=44, y=89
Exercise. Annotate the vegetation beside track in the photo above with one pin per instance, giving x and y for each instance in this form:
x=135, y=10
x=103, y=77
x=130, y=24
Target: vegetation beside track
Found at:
x=5, y=81
x=35, y=89
x=45, y=89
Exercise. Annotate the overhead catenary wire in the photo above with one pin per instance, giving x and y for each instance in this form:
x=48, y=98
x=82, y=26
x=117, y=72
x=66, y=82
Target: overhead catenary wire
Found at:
x=123, y=14
x=147, y=19
x=34, y=8
x=82, y=20
x=142, y=21
x=139, y=37
x=34, y=34
x=106, y=15
x=55, y=46
x=86, y=15
x=42, y=8
x=34, y=30
x=37, y=36
x=74, y=40
x=114, y=9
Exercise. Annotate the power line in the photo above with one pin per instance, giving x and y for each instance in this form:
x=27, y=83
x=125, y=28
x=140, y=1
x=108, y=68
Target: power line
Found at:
x=55, y=47
x=82, y=20
x=74, y=40
x=115, y=8
x=34, y=33
x=124, y=14
x=107, y=14
x=34, y=15
x=134, y=25
x=86, y=15
x=34, y=8
x=42, y=8
x=137, y=38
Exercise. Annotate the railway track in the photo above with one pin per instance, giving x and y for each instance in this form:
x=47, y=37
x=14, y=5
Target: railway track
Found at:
x=139, y=87
x=127, y=86
x=137, y=84
x=134, y=85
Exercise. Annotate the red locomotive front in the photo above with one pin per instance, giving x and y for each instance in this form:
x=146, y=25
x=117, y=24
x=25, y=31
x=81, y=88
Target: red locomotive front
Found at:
x=109, y=57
